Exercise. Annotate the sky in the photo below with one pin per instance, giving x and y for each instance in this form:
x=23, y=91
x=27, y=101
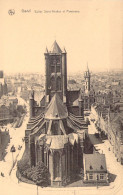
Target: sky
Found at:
x=92, y=33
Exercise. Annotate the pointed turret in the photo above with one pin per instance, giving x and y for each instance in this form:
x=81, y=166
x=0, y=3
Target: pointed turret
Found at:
x=87, y=69
x=46, y=51
x=87, y=72
x=64, y=50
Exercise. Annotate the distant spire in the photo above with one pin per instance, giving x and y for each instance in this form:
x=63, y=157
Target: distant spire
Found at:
x=87, y=67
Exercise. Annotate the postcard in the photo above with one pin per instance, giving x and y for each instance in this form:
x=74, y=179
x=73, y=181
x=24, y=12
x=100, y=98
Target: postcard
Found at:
x=61, y=97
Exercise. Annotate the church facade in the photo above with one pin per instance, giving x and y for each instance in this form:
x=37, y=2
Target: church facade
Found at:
x=56, y=130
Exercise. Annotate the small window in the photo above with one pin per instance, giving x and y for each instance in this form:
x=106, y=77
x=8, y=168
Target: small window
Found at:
x=101, y=167
x=101, y=176
x=91, y=167
x=90, y=176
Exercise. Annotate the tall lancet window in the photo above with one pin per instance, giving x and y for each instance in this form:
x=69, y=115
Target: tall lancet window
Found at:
x=52, y=84
x=58, y=84
x=56, y=165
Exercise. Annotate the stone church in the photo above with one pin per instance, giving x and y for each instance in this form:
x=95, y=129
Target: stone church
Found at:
x=56, y=130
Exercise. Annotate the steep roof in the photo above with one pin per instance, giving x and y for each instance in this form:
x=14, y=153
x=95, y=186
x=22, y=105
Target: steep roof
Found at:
x=95, y=162
x=55, y=48
x=56, y=109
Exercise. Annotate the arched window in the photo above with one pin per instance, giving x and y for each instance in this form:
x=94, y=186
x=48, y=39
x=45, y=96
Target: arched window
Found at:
x=56, y=164
x=55, y=128
x=52, y=84
x=58, y=84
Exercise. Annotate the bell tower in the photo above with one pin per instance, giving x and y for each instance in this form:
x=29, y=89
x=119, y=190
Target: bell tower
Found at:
x=87, y=80
x=55, y=72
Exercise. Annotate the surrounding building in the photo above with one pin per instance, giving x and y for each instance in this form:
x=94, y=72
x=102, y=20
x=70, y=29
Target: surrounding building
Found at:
x=5, y=114
x=115, y=134
x=89, y=93
x=109, y=121
x=95, y=169
x=3, y=85
x=8, y=105
x=4, y=140
x=104, y=97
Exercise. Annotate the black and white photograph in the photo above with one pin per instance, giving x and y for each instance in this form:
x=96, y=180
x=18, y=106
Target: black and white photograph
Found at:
x=61, y=97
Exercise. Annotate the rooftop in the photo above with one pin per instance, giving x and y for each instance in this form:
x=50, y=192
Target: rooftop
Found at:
x=95, y=162
x=56, y=109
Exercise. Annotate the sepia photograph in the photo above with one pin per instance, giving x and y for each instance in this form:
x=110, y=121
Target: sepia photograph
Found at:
x=61, y=97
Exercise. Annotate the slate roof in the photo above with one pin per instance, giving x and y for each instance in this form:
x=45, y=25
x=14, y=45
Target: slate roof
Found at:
x=95, y=162
x=55, y=48
x=56, y=109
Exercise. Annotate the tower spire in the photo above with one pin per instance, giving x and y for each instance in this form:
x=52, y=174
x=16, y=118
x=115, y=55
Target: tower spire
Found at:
x=87, y=67
x=87, y=79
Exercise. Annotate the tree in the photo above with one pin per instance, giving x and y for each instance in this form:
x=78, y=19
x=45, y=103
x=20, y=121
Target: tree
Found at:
x=40, y=174
x=20, y=109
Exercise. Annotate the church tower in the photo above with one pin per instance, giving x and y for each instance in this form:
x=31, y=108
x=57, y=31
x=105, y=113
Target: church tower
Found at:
x=55, y=73
x=87, y=80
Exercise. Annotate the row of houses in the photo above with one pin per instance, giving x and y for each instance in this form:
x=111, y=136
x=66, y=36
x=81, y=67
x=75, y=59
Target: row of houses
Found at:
x=3, y=85
x=110, y=122
x=7, y=107
x=4, y=140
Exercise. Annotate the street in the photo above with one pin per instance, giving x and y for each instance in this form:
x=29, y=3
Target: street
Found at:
x=10, y=184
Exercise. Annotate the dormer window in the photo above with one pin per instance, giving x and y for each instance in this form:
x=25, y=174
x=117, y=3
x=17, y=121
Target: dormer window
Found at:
x=56, y=115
